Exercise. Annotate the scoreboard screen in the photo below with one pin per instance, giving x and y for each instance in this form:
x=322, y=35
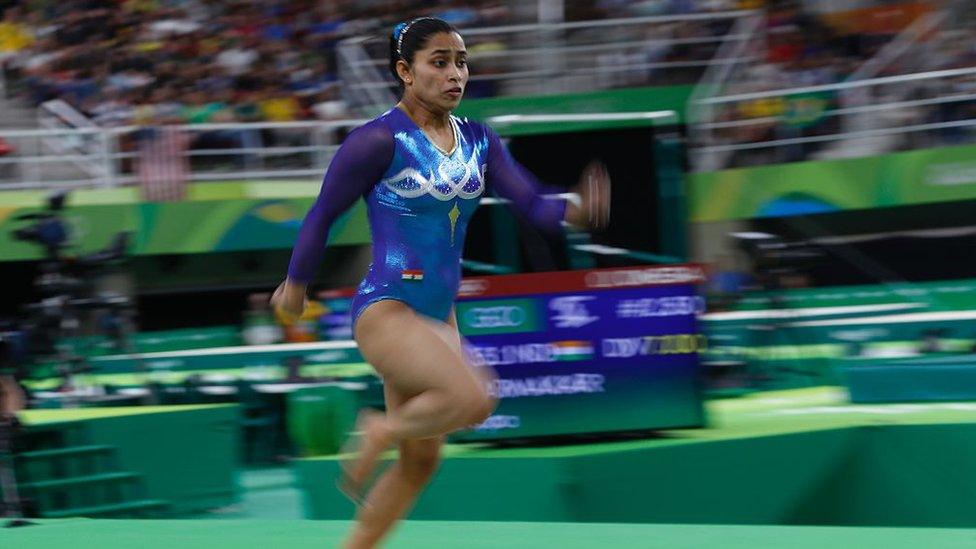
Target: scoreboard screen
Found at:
x=590, y=351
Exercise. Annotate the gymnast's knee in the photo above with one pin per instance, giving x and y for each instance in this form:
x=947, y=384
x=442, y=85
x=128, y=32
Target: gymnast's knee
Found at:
x=478, y=407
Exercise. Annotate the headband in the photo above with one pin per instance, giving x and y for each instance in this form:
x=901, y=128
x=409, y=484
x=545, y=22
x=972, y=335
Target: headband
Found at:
x=400, y=30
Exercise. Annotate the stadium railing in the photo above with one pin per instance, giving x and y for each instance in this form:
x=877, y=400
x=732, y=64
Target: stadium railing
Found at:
x=84, y=151
x=73, y=157
x=897, y=100
x=550, y=58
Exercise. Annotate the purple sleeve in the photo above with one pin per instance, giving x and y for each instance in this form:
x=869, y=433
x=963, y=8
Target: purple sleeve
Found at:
x=357, y=166
x=511, y=180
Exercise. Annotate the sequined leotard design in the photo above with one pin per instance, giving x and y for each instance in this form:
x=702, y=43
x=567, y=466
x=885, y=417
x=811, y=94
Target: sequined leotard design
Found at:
x=419, y=200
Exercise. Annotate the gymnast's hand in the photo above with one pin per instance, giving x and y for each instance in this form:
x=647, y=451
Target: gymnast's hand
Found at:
x=592, y=209
x=289, y=301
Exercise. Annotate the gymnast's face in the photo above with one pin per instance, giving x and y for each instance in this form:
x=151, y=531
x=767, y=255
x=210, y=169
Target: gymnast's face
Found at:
x=439, y=72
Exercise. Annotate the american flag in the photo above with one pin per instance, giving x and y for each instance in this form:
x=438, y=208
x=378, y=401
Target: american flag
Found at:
x=163, y=164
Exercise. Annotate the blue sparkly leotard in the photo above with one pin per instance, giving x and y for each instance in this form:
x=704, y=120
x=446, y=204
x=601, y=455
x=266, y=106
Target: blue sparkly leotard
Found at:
x=419, y=200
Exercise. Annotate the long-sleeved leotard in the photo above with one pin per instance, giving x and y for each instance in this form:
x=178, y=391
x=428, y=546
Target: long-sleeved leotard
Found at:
x=419, y=201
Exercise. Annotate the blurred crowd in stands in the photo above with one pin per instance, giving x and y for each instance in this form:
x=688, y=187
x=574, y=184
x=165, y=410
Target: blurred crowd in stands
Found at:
x=120, y=61
x=195, y=61
x=805, y=49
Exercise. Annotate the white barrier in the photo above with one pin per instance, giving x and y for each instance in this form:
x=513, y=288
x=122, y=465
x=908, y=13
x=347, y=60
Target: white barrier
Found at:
x=92, y=156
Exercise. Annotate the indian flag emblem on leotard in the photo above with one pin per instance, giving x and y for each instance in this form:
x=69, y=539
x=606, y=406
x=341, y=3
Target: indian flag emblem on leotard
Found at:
x=412, y=274
x=572, y=350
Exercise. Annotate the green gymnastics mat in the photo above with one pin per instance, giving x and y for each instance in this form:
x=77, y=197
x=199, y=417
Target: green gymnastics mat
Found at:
x=144, y=534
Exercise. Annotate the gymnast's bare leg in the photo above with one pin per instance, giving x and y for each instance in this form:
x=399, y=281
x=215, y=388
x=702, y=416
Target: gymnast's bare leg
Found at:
x=430, y=391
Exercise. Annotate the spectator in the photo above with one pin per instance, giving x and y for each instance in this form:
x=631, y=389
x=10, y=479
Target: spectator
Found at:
x=236, y=58
x=279, y=106
x=14, y=34
x=328, y=105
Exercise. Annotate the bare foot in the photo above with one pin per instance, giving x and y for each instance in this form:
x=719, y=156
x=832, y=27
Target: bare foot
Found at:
x=368, y=441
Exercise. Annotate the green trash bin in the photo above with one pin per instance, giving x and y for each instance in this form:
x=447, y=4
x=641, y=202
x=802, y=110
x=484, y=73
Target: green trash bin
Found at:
x=319, y=418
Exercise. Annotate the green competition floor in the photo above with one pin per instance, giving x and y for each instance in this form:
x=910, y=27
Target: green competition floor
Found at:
x=119, y=534
x=266, y=493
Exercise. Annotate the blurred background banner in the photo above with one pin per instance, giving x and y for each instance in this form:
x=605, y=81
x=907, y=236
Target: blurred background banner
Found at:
x=900, y=179
x=627, y=100
x=224, y=220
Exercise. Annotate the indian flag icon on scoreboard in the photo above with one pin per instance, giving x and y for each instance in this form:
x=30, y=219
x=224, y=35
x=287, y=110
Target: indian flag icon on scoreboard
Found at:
x=566, y=351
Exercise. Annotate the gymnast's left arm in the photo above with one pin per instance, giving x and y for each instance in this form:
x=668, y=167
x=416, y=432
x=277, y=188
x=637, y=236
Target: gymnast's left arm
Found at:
x=589, y=207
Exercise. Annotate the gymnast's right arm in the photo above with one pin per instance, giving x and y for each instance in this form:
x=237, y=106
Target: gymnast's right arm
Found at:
x=357, y=166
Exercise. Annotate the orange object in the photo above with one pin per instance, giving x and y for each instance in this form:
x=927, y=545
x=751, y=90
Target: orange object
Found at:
x=885, y=19
x=305, y=328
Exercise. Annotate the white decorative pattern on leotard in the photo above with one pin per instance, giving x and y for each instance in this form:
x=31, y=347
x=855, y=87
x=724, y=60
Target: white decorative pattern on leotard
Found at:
x=453, y=178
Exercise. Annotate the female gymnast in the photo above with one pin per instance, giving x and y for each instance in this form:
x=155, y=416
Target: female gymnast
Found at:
x=422, y=172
